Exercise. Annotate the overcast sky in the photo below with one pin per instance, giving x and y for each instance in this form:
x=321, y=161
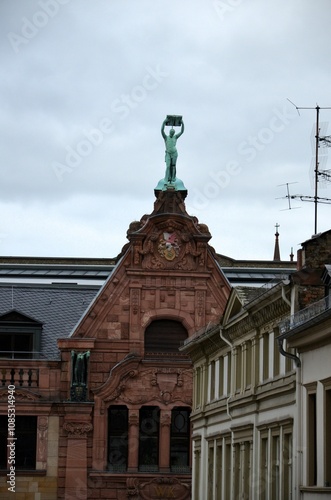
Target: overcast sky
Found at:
x=86, y=85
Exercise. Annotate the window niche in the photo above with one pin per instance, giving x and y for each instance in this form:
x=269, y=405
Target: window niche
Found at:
x=118, y=438
x=163, y=338
x=149, y=425
x=180, y=440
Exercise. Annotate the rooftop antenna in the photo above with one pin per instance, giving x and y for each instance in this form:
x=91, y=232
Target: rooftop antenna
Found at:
x=316, y=199
x=288, y=196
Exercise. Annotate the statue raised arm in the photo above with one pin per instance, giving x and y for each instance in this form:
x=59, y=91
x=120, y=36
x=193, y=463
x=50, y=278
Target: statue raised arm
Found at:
x=171, y=153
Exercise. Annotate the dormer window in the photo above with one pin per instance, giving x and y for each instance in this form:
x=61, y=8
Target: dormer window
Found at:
x=20, y=336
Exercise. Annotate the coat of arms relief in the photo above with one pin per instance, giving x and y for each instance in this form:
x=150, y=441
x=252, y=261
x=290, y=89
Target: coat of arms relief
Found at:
x=170, y=247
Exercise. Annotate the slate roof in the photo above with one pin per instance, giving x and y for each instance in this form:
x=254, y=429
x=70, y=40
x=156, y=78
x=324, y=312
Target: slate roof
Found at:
x=246, y=294
x=58, y=308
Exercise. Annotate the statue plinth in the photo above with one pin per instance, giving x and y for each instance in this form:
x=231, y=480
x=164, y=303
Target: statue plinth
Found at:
x=176, y=185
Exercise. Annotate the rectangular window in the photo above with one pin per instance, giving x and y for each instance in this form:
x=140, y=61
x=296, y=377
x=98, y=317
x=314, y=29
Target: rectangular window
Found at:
x=236, y=470
x=228, y=470
x=287, y=466
x=238, y=358
x=198, y=375
x=229, y=357
x=275, y=466
x=25, y=443
x=221, y=377
x=180, y=440
x=263, y=483
x=275, y=481
x=149, y=420
x=265, y=356
x=16, y=345
x=247, y=469
x=219, y=470
x=248, y=365
x=312, y=451
x=212, y=380
x=210, y=486
x=117, y=438
x=277, y=355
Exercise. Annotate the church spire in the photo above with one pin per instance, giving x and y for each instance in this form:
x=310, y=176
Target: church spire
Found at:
x=276, y=251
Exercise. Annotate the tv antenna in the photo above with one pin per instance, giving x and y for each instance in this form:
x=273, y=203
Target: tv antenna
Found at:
x=288, y=196
x=326, y=141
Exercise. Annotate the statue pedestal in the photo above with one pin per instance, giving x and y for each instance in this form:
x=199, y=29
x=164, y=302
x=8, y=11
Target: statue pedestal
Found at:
x=176, y=185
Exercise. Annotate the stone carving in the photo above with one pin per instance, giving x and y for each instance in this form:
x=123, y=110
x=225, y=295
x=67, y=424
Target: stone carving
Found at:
x=20, y=394
x=77, y=429
x=169, y=247
x=133, y=417
x=158, y=487
x=165, y=419
x=42, y=439
x=135, y=299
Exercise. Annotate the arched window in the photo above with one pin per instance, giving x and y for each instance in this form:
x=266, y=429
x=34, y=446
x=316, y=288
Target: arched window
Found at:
x=164, y=336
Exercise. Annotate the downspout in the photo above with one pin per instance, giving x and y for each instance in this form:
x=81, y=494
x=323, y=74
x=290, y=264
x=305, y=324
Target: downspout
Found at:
x=298, y=445
x=287, y=354
x=280, y=340
x=228, y=399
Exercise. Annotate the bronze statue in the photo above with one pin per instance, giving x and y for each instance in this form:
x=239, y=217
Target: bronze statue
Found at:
x=170, y=141
x=79, y=368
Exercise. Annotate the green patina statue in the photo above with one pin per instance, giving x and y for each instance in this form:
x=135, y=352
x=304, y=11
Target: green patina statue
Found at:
x=170, y=141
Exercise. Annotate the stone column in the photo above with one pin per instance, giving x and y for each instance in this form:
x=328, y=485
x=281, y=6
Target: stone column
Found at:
x=76, y=464
x=164, y=444
x=133, y=441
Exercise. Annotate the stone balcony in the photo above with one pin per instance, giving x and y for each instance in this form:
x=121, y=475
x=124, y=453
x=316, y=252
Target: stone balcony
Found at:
x=42, y=377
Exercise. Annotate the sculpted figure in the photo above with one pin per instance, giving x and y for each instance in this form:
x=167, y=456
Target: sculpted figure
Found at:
x=171, y=153
x=80, y=367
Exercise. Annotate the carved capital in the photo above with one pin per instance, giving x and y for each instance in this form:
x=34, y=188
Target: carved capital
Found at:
x=133, y=417
x=165, y=419
x=77, y=429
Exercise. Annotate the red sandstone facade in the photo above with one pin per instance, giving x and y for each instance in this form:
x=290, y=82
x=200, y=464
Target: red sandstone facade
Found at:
x=120, y=423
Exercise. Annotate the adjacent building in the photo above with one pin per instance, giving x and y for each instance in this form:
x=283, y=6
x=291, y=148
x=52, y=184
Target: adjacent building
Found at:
x=261, y=404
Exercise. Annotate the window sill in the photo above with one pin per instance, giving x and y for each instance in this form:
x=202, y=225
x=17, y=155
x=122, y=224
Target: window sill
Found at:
x=315, y=489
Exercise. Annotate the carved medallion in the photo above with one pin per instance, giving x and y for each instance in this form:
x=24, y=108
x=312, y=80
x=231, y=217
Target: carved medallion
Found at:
x=168, y=245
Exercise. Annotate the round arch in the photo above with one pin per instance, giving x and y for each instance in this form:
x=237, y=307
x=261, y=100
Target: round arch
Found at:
x=173, y=314
x=164, y=336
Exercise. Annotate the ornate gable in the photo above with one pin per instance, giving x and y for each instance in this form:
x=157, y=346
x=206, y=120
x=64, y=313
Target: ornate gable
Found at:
x=167, y=270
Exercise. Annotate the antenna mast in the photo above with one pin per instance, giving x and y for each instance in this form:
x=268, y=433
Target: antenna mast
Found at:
x=326, y=140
